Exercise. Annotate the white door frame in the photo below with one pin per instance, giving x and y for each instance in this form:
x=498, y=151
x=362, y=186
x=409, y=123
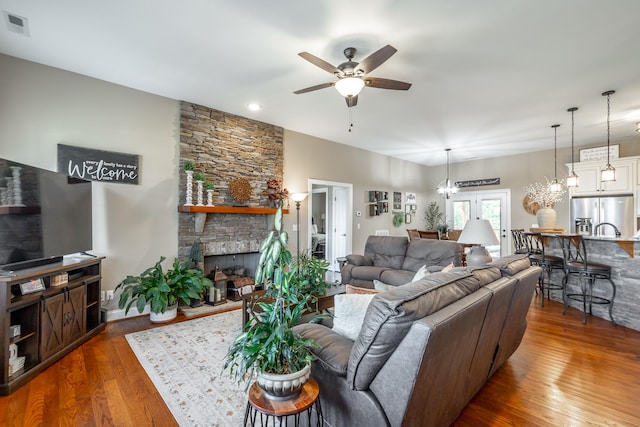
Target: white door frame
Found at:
x=505, y=235
x=349, y=223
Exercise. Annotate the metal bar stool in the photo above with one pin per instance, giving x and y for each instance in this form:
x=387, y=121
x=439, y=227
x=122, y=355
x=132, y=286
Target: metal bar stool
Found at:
x=519, y=245
x=537, y=256
x=577, y=265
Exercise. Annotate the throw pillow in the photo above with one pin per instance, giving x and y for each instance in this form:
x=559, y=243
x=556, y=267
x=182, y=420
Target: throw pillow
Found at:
x=381, y=286
x=448, y=268
x=349, y=313
x=421, y=273
x=350, y=289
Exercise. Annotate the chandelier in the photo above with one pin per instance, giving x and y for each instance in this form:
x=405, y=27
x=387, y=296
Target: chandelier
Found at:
x=446, y=189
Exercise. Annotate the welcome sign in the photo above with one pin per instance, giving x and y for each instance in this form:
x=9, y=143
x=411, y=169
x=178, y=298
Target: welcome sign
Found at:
x=98, y=165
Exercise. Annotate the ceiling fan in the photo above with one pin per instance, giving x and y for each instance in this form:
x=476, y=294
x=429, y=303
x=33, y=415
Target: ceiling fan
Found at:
x=352, y=76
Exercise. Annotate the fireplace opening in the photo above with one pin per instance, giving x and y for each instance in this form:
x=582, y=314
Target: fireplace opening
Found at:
x=239, y=270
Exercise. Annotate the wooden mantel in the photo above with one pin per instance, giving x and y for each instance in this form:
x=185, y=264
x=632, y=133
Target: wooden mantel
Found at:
x=202, y=211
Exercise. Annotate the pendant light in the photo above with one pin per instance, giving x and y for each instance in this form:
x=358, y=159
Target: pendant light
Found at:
x=572, y=179
x=445, y=188
x=609, y=172
x=555, y=185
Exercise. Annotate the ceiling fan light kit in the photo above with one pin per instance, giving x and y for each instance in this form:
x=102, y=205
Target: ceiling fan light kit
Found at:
x=352, y=76
x=349, y=86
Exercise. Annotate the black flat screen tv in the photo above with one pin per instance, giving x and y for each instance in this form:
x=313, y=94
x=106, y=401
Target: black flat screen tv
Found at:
x=48, y=219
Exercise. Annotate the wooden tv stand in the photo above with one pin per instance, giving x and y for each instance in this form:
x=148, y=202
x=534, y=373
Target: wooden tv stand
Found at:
x=53, y=321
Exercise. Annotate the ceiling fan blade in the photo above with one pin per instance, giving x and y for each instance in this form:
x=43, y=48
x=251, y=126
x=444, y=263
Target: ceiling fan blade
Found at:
x=352, y=101
x=376, y=59
x=312, y=88
x=319, y=62
x=386, y=83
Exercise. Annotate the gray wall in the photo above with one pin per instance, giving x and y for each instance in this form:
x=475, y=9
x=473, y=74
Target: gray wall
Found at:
x=40, y=106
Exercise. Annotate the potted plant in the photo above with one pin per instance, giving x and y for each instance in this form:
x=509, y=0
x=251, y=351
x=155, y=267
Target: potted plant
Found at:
x=209, y=187
x=433, y=217
x=268, y=348
x=161, y=290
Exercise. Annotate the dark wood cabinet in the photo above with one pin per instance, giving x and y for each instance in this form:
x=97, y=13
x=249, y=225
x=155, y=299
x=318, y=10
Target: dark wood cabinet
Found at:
x=52, y=322
x=62, y=320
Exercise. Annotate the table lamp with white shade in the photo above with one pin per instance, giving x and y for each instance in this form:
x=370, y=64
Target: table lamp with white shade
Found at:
x=478, y=232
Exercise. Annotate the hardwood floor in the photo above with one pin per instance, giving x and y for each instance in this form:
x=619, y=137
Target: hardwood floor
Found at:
x=564, y=374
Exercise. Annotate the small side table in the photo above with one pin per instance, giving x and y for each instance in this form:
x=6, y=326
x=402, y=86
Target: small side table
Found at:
x=260, y=409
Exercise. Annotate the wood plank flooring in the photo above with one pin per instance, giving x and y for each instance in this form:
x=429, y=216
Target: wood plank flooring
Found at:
x=564, y=374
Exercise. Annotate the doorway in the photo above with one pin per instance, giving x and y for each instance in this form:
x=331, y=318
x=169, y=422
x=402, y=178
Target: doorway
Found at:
x=329, y=210
x=493, y=205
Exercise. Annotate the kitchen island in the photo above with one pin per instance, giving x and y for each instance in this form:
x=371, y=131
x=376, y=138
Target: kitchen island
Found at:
x=623, y=255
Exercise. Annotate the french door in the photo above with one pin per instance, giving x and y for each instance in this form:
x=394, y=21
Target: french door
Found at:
x=493, y=205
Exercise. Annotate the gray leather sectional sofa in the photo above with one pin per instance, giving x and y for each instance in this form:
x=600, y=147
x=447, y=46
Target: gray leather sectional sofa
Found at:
x=395, y=260
x=425, y=348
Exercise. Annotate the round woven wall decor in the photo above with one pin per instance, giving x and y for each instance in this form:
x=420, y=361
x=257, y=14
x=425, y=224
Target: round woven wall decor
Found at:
x=240, y=189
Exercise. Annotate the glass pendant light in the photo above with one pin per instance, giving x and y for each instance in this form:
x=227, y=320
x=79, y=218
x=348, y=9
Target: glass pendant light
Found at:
x=445, y=188
x=555, y=185
x=572, y=179
x=608, y=173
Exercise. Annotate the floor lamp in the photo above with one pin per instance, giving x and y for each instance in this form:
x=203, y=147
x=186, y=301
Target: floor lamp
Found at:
x=298, y=198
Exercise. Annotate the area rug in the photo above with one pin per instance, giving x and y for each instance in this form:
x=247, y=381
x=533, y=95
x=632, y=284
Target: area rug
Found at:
x=184, y=361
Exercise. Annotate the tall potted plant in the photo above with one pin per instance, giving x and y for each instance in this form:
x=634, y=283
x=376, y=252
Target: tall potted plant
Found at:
x=268, y=348
x=161, y=290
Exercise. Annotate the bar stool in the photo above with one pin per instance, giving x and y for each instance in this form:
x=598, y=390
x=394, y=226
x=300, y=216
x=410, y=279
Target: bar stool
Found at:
x=519, y=244
x=535, y=248
x=577, y=265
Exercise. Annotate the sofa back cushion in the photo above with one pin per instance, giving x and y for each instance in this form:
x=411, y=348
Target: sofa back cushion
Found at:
x=390, y=315
x=432, y=252
x=511, y=265
x=386, y=251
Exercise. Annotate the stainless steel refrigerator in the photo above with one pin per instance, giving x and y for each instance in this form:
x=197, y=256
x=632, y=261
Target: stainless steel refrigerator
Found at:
x=617, y=210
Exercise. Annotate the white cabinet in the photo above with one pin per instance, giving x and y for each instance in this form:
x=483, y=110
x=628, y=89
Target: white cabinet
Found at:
x=589, y=178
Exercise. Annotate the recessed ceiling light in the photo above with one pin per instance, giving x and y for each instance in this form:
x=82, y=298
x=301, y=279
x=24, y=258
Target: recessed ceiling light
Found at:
x=254, y=106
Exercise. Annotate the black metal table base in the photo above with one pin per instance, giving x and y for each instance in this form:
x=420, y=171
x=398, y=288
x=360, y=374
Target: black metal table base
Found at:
x=253, y=417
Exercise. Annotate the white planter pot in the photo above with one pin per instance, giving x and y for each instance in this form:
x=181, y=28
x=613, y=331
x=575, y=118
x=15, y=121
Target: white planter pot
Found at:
x=285, y=386
x=546, y=218
x=169, y=314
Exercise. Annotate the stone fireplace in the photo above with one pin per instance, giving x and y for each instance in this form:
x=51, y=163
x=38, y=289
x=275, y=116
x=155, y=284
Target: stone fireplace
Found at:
x=225, y=146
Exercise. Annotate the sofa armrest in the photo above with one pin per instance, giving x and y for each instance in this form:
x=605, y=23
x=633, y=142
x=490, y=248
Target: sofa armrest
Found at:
x=359, y=260
x=333, y=349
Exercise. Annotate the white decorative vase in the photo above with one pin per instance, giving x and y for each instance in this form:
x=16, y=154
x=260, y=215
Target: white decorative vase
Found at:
x=169, y=314
x=189, y=189
x=199, y=186
x=283, y=386
x=209, y=197
x=546, y=218
x=17, y=189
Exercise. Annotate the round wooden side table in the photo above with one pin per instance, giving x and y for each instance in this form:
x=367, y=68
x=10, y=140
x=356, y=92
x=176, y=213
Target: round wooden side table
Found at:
x=260, y=409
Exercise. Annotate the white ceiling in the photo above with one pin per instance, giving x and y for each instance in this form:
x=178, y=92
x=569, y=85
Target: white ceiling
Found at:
x=489, y=77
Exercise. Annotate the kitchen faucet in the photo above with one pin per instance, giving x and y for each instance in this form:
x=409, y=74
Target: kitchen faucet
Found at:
x=595, y=229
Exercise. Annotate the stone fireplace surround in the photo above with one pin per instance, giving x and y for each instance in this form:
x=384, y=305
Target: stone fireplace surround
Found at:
x=224, y=147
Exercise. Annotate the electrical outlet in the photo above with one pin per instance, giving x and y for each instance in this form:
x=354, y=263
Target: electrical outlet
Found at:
x=109, y=295
x=103, y=296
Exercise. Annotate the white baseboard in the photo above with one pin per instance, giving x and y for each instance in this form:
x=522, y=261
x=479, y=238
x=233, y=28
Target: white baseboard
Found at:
x=114, y=313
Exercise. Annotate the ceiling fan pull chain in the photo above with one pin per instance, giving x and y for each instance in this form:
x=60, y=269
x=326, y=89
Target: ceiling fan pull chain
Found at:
x=350, y=118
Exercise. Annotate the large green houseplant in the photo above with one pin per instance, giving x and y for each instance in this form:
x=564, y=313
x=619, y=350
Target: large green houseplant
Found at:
x=268, y=345
x=161, y=290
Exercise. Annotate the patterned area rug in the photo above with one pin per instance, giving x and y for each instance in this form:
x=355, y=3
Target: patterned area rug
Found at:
x=184, y=361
